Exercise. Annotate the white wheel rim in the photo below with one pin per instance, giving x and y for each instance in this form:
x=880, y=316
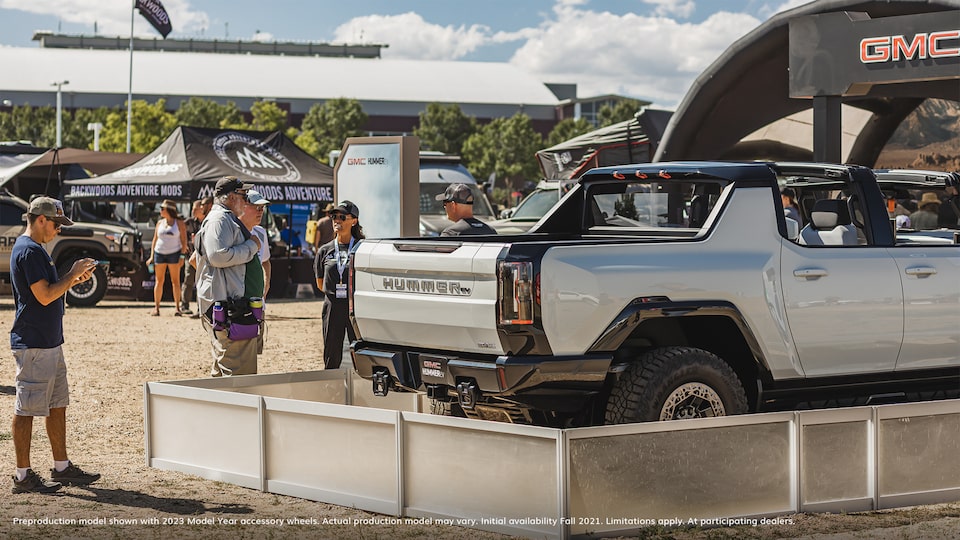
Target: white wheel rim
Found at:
x=692, y=400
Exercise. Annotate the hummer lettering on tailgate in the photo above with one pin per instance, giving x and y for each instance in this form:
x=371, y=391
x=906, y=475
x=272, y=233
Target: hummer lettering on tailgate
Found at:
x=429, y=286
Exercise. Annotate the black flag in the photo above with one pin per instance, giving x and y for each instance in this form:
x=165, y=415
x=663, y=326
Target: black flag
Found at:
x=155, y=14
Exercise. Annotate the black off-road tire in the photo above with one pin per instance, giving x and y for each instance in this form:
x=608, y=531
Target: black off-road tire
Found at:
x=88, y=293
x=641, y=393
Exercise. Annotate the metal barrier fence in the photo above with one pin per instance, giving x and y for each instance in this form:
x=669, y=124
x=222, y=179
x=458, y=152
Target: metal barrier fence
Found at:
x=257, y=431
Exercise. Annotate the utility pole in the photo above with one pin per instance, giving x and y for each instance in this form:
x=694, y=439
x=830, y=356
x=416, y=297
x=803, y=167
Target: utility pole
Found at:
x=59, y=85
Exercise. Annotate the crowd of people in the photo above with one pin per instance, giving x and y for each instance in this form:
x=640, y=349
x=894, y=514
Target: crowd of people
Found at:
x=228, y=269
x=928, y=213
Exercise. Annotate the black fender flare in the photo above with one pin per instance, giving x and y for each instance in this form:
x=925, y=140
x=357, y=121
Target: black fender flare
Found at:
x=642, y=309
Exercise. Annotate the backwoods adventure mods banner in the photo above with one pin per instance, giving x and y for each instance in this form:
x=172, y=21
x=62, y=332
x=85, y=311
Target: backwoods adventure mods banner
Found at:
x=189, y=162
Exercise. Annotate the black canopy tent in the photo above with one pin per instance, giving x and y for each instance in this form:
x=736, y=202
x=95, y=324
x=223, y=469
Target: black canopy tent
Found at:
x=631, y=141
x=27, y=170
x=187, y=165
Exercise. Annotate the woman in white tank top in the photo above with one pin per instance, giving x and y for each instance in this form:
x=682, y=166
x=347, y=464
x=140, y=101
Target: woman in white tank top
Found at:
x=166, y=253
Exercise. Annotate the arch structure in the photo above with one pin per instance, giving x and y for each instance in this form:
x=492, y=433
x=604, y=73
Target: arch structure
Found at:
x=740, y=106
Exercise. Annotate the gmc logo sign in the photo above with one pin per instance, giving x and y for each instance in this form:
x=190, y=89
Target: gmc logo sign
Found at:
x=943, y=44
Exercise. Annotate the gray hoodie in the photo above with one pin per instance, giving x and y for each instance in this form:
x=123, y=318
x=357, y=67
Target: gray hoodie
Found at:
x=223, y=250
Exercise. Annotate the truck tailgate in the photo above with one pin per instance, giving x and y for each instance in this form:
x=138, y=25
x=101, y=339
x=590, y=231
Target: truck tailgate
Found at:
x=435, y=295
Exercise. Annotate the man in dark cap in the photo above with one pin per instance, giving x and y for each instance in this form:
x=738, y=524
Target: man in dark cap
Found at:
x=458, y=203
x=37, y=342
x=224, y=247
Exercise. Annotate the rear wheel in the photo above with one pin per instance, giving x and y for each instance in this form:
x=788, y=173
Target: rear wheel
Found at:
x=89, y=292
x=675, y=383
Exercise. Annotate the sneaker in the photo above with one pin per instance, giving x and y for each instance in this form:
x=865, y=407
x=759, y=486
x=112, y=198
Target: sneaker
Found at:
x=73, y=476
x=186, y=311
x=34, y=483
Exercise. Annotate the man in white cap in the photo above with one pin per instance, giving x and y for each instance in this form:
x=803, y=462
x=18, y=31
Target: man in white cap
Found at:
x=458, y=204
x=36, y=339
x=224, y=247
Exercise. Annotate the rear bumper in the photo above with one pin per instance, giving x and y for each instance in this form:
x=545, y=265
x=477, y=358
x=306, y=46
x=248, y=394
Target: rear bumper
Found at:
x=495, y=376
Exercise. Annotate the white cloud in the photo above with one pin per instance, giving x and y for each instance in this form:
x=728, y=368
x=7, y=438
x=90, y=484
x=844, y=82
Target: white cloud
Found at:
x=113, y=17
x=648, y=57
x=651, y=58
x=768, y=11
x=409, y=36
x=680, y=8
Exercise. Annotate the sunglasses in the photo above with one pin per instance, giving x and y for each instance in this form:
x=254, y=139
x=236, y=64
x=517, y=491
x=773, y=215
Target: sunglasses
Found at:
x=339, y=217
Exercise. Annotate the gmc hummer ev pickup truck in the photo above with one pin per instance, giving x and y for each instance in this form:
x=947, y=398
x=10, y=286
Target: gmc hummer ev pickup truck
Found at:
x=666, y=291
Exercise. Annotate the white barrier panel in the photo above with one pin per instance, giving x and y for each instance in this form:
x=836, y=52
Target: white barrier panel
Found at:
x=918, y=453
x=837, y=460
x=629, y=476
x=534, y=481
x=209, y=433
x=333, y=453
x=486, y=475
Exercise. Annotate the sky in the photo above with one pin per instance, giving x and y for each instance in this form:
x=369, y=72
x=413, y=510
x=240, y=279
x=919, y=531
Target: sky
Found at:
x=645, y=49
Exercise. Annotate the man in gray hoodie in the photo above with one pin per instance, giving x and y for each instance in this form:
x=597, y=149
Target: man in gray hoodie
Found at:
x=224, y=247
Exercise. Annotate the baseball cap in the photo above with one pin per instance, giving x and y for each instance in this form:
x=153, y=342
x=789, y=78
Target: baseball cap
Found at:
x=254, y=197
x=230, y=184
x=458, y=193
x=347, y=207
x=50, y=208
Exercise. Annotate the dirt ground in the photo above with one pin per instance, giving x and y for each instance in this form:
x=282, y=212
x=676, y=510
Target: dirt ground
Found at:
x=114, y=348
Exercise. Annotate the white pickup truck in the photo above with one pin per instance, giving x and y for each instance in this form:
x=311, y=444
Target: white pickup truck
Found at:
x=664, y=291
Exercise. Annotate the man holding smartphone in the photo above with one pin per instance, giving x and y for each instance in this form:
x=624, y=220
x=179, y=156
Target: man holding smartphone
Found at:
x=36, y=339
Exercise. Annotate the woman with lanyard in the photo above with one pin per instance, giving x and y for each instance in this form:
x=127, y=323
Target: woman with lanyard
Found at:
x=330, y=268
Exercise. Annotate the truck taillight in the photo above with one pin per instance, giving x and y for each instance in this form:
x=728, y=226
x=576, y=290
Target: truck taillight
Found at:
x=518, y=289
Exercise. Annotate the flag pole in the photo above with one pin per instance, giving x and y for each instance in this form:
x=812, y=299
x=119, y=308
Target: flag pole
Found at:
x=130, y=87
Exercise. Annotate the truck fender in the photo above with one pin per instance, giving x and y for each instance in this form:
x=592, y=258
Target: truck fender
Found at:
x=641, y=310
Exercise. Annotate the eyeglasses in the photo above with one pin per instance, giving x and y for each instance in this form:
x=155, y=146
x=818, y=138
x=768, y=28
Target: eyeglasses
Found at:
x=339, y=217
x=56, y=226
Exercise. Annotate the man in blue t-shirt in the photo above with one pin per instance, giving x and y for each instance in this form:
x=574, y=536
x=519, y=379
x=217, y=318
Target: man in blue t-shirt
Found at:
x=36, y=339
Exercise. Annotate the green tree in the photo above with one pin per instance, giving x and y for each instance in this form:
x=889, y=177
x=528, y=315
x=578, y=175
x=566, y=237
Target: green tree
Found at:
x=625, y=109
x=268, y=116
x=567, y=129
x=507, y=147
x=149, y=126
x=25, y=123
x=206, y=113
x=75, y=132
x=328, y=125
x=444, y=128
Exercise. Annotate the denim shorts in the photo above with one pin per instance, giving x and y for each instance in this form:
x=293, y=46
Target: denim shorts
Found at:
x=169, y=258
x=41, y=381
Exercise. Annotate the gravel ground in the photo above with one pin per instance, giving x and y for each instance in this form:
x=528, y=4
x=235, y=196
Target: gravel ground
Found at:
x=114, y=348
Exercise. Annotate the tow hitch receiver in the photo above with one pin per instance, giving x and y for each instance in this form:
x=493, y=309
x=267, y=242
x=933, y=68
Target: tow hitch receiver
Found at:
x=381, y=382
x=467, y=393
